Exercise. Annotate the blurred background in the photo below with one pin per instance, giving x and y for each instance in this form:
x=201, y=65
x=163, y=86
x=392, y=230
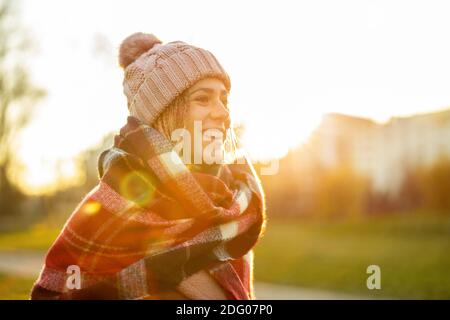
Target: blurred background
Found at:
x=351, y=97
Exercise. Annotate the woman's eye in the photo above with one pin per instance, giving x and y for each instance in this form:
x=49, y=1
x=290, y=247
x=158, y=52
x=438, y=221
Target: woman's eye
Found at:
x=203, y=99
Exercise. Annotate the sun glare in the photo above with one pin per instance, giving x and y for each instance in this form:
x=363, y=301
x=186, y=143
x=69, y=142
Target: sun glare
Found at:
x=281, y=87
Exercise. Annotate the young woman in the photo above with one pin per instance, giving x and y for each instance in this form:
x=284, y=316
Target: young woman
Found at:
x=172, y=217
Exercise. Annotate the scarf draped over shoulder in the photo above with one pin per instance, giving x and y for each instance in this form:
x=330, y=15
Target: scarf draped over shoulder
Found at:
x=151, y=222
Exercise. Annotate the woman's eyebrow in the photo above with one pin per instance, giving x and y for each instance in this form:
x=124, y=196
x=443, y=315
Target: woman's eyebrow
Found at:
x=209, y=90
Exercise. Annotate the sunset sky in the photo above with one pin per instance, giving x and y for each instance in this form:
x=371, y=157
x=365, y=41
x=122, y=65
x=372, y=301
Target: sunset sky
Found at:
x=289, y=61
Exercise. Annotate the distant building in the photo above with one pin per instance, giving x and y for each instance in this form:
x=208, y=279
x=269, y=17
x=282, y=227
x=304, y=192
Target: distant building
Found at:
x=383, y=151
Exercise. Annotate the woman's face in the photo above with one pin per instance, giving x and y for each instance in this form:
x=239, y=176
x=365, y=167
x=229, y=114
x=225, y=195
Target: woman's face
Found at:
x=208, y=107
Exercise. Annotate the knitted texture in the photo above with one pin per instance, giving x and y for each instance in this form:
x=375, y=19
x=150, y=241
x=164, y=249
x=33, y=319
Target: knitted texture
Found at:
x=163, y=72
x=151, y=223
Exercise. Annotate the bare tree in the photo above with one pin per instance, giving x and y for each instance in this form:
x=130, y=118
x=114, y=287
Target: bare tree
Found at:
x=17, y=97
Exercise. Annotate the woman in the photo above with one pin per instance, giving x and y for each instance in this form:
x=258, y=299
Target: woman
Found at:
x=166, y=220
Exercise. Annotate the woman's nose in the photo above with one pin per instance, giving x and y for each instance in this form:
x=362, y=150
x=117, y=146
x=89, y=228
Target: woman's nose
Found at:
x=220, y=112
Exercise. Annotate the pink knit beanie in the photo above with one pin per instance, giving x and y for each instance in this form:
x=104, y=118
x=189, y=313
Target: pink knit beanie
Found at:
x=155, y=74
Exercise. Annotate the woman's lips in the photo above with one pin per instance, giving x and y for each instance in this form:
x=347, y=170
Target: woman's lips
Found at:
x=214, y=131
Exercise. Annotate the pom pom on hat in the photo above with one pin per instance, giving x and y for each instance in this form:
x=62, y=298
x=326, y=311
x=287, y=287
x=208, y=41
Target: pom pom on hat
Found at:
x=134, y=46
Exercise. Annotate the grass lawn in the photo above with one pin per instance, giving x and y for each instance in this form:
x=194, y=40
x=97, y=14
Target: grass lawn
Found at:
x=39, y=237
x=412, y=250
x=15, y=288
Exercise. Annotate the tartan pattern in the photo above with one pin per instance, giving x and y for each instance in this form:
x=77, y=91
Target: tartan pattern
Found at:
x=151, y=222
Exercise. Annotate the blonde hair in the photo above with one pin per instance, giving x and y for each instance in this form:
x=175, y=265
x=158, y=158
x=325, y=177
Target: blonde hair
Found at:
x=174, y=117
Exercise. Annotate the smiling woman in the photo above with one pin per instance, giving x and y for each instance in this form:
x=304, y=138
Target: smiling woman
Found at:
x=156, y=227
x=202, y=111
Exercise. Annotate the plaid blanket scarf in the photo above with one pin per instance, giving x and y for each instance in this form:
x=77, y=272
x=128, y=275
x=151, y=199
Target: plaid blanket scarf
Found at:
x=151, y=222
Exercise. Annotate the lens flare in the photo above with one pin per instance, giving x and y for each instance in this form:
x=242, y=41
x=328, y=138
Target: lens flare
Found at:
x=137, y=186
x=91, y=207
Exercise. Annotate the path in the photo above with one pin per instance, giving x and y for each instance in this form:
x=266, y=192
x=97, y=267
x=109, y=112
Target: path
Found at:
x=29, y=263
